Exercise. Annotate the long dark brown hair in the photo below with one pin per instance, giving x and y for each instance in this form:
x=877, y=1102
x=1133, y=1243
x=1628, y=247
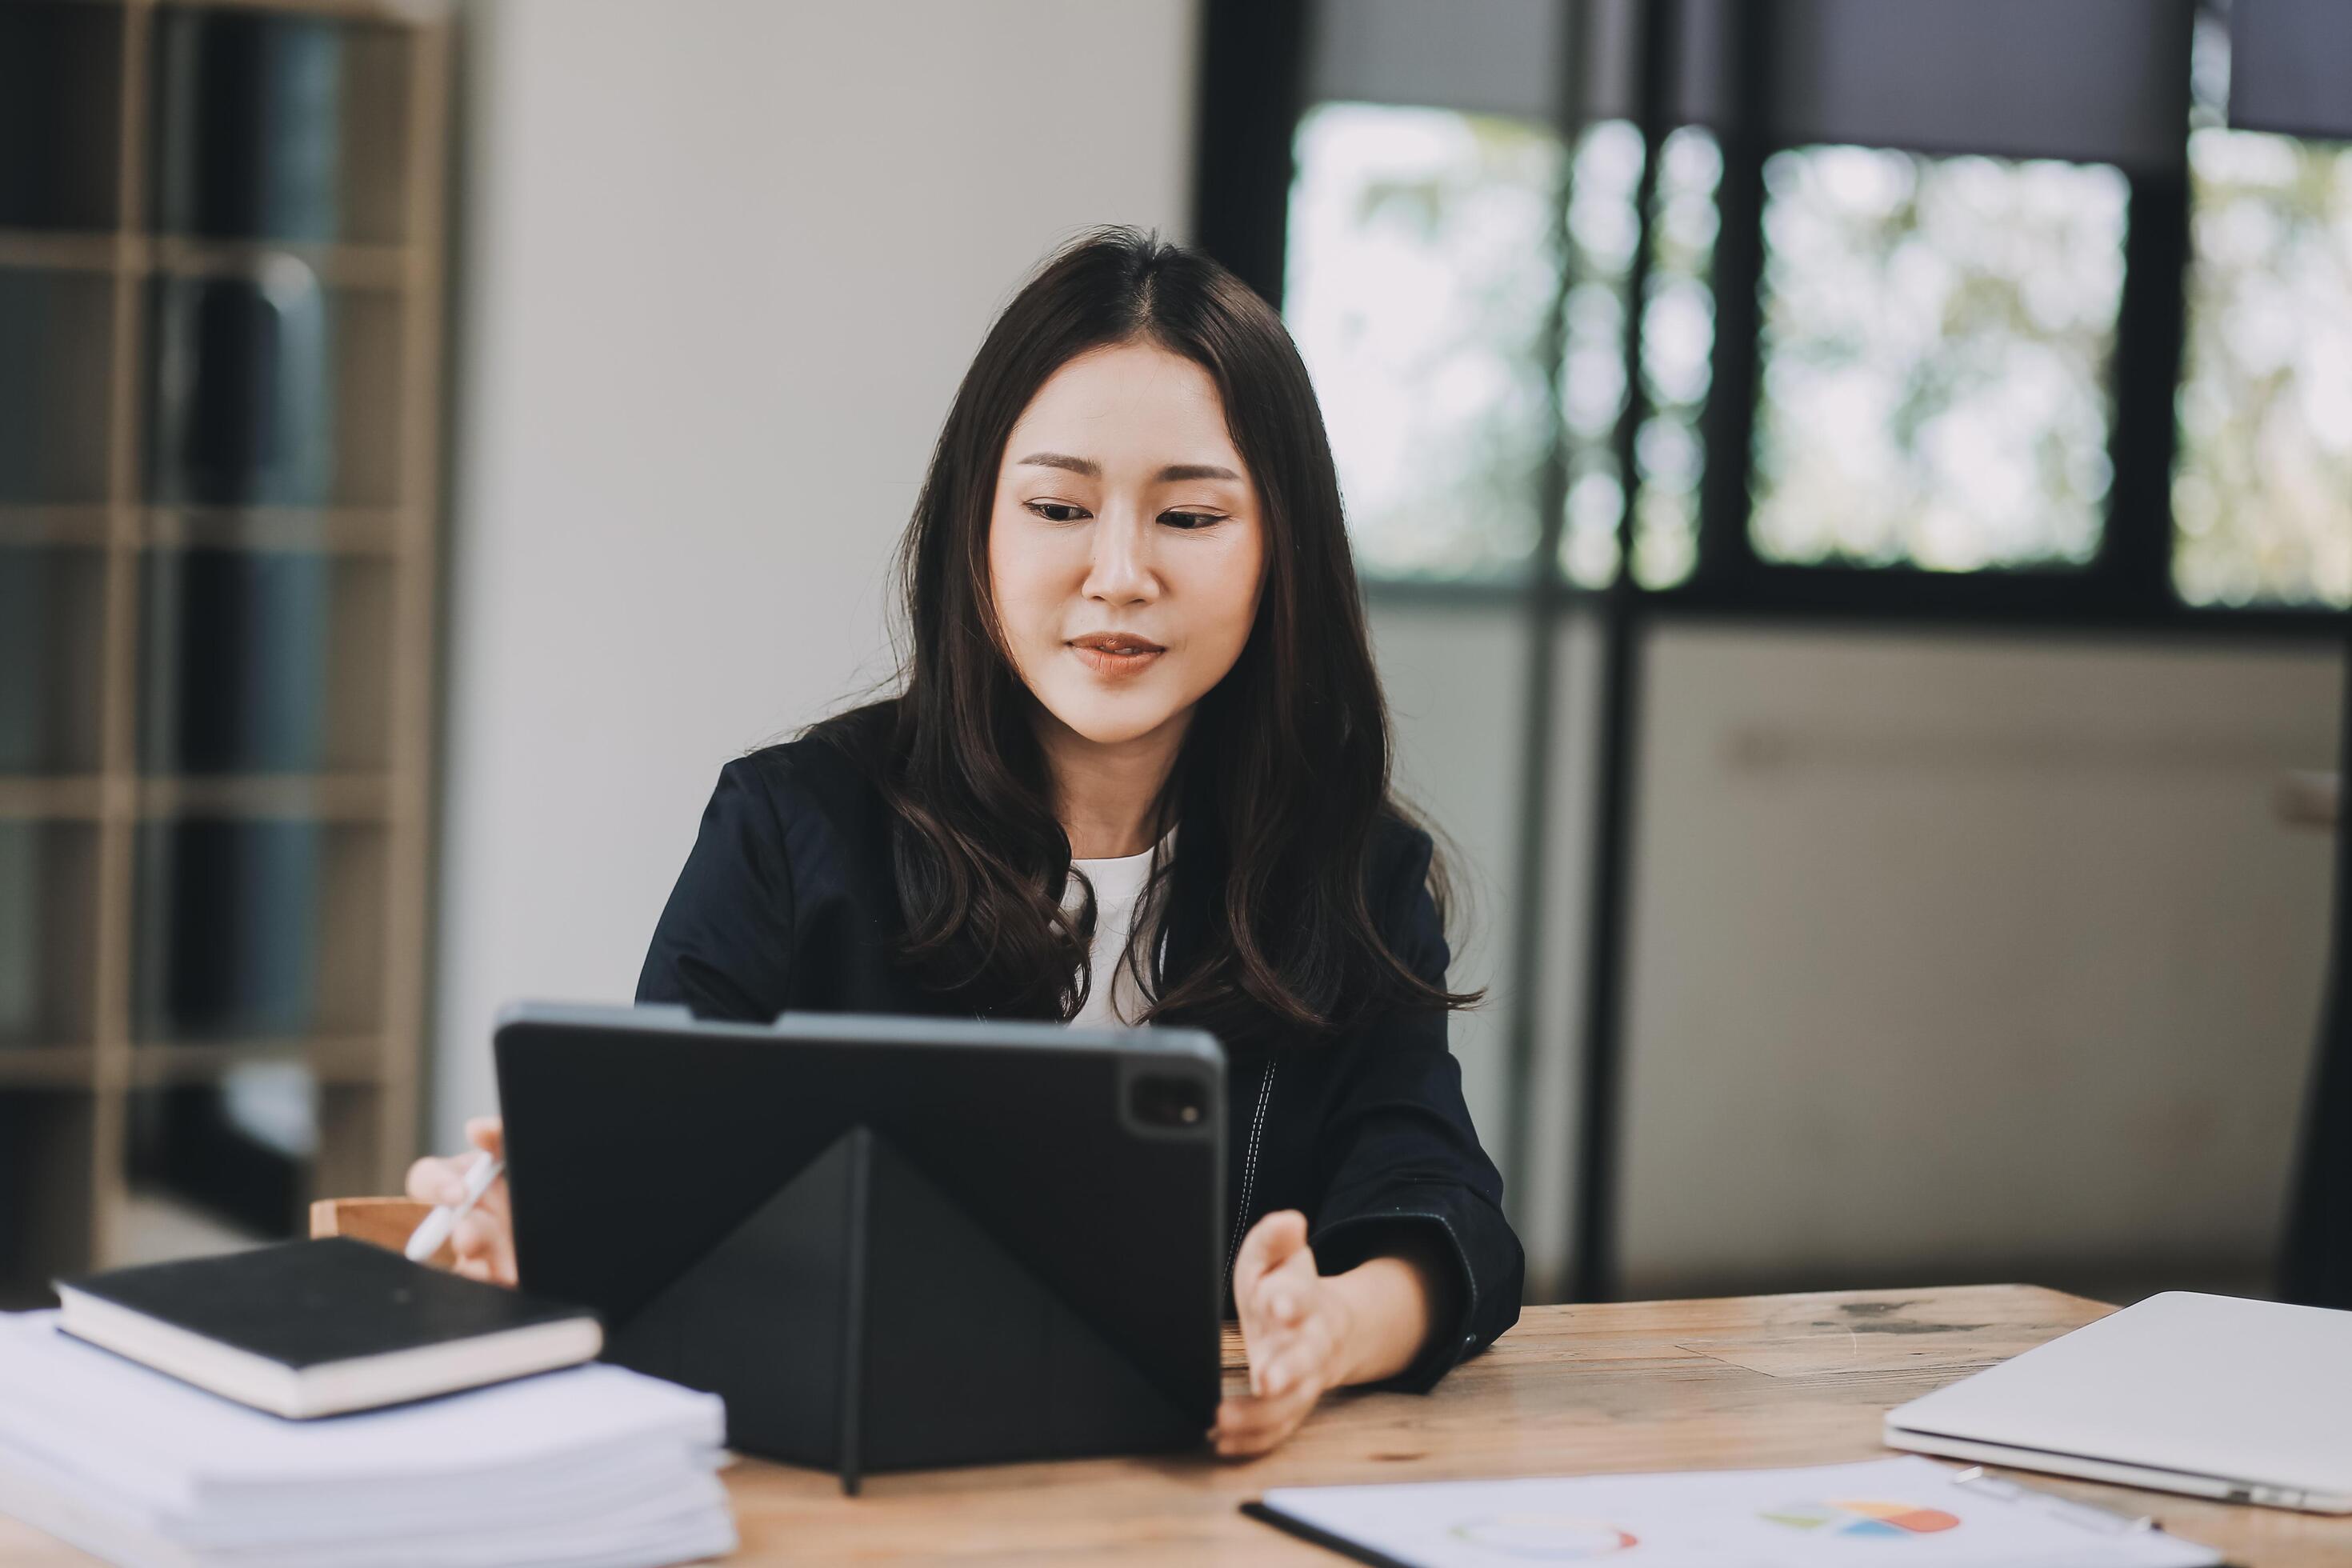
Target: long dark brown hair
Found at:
x=1283, y=780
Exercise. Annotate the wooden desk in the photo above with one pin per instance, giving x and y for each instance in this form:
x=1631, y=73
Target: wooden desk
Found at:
x=1752, y=1381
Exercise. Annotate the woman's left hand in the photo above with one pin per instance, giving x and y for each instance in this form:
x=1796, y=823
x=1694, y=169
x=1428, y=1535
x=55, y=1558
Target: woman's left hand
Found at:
x=1297, y=1328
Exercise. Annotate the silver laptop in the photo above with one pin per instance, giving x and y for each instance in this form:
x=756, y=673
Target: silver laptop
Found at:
x=2212, y=1396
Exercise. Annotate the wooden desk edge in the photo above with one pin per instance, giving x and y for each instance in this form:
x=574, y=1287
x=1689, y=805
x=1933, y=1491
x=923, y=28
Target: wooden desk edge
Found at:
x=1578, y=1389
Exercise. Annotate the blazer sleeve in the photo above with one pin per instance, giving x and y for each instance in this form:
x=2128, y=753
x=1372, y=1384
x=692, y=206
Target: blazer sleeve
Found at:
x=1402, y=1156
x=724, y=943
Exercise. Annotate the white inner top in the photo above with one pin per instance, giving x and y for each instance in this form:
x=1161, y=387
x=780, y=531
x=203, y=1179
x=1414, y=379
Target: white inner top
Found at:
x=1118, y=882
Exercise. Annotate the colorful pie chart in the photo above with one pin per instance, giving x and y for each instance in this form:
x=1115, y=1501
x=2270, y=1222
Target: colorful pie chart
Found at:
x=1544, y=1537
x=1863, y=1516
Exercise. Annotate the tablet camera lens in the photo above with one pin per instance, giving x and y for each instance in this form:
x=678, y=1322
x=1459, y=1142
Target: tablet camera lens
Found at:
x=1166, y=1102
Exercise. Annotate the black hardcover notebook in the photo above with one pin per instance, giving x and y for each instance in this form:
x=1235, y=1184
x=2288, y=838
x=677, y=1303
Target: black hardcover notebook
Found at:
x=317, y=1328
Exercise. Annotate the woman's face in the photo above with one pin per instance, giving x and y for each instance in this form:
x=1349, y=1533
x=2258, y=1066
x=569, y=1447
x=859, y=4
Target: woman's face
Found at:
x=1125, y=547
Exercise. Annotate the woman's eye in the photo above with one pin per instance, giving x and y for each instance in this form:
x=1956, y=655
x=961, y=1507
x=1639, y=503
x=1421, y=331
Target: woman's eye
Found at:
x=1056, y=511
x=1190, y=519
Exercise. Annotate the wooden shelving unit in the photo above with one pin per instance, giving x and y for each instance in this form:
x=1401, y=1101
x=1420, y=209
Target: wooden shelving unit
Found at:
x=211, y=915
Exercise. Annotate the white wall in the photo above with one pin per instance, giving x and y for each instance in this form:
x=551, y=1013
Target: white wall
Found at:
x=723, y=262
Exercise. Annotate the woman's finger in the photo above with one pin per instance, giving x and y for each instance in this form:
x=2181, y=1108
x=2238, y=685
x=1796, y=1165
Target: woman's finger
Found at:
x=1284, y=1362
x=1235, y=1441
x=1249, y=1425
x=434, y=1181
x=1277, y=1299
x=488, y=1133
x=1305, y=1355
x=495, y=1201
x=1280, y=1292
x=1262, y=1348
x=1300, y=1361
x=487, y=1239
x=503, y=1268
x=1287, y=1361
x=1284, y=1313
x=420, y=1184
x=1283, y=1295
x=1286, y=1369
x=1270, y=1243
x=438, y=1180
x=494, y=1196
x=1243, y=1430
x=477, y=1235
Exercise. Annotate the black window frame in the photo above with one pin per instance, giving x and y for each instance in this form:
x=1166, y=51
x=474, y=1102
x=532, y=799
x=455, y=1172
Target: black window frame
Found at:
x=1252, y=71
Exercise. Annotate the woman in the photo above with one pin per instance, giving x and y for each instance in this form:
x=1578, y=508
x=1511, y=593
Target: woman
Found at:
x=1138, y=772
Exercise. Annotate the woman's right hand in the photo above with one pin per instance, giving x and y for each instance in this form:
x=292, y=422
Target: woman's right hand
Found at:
x=484, y=1239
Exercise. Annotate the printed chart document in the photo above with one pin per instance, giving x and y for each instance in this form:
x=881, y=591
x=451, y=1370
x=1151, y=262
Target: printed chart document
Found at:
x=1910, y=1513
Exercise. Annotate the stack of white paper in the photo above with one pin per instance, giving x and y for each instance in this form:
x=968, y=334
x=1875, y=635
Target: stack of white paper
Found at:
x=591, y=1466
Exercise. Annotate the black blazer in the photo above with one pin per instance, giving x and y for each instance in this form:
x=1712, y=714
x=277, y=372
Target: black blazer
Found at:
x=788, y=902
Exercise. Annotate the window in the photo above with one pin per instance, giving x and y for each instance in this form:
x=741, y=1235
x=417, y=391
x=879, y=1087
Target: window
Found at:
x=1417, y=282
x=1678, y=343
x=1933, y=337
x=1603, y=231
x=1936, y=343
x=1677, y=350
x=2262, y=487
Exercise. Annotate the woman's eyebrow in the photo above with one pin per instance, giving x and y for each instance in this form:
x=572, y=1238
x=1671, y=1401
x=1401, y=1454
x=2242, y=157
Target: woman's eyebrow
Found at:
x=1085, y=466
x=1093, y=470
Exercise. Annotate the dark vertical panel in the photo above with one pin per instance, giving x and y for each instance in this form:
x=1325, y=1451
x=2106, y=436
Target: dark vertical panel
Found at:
x=2317, y=1266
x=2135, y=556
x=1592, y=1238
x=2291, y=66
x=2092, y=81
x=1701, y=76
x=60, y=115
x=1252, y=71
x=2103, y=82
x=1728, y=421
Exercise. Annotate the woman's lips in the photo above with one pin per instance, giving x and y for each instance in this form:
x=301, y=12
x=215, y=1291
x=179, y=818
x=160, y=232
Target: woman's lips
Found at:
x=1115, y=654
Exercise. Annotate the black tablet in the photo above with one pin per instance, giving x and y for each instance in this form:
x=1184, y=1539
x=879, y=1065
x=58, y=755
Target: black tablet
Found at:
x=887, y=1243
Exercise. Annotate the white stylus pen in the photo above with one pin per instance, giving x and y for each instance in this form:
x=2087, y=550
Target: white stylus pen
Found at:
x=437, y=1225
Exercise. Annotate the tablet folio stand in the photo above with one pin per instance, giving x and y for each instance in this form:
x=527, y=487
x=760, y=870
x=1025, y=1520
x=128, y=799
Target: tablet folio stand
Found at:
x=859, y=1320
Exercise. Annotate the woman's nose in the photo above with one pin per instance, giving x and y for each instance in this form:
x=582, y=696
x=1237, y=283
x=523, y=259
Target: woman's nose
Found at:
x=1120, y=569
